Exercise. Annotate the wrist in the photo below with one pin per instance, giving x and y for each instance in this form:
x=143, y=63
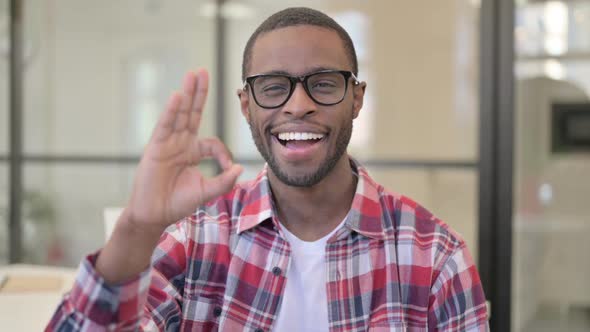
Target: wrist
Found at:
x=131, y=228
x=129, y=249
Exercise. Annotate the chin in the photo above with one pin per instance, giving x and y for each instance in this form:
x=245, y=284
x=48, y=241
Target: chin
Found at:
x=301, y=176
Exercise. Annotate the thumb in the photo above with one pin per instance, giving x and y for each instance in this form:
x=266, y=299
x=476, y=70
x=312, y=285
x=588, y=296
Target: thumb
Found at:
x=222, y=183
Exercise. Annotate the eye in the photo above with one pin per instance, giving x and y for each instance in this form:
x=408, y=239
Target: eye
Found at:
x=274, y=88
x=323, y=84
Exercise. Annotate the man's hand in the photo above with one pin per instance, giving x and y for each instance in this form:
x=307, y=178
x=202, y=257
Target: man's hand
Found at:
x=167, y=185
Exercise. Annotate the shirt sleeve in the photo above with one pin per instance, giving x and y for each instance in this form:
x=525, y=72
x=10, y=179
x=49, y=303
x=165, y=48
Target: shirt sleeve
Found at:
x=149, y=302
x=457, y=301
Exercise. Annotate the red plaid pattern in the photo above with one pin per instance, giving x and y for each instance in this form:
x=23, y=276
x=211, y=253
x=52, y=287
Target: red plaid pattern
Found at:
x=392, y=267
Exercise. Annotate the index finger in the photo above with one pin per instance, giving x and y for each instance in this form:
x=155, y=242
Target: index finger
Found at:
x=213, y=147
x=199, y=99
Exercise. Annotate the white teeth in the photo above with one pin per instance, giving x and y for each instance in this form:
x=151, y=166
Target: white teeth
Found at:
x=299, y=136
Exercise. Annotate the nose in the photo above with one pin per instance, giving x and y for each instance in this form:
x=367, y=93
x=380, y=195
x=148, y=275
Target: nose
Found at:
x=300, y=104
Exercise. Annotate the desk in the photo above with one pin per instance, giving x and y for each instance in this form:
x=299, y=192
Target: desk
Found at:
x=30, y=309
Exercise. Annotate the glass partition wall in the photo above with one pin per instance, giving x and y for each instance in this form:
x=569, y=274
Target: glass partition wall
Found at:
x=551, y=221
x=95, y=77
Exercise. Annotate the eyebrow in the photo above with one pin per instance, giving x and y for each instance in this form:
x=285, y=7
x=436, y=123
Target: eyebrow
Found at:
x=310, y=71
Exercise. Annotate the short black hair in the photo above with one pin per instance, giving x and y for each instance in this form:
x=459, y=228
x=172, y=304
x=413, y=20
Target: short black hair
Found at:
x=296, y=16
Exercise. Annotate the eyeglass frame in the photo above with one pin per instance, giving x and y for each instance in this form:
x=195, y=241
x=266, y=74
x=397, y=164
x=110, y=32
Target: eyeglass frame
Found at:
x=249, y=81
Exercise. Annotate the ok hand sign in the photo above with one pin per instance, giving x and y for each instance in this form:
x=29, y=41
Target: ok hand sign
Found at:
x=168, y=186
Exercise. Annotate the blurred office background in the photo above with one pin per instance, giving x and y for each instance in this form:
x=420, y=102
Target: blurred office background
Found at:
x=94, y=75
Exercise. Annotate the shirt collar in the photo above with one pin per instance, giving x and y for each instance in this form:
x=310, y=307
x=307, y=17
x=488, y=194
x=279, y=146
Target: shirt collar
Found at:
x=365, y=216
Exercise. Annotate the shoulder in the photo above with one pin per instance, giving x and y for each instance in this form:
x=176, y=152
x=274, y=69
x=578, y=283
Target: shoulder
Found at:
x=421, y=237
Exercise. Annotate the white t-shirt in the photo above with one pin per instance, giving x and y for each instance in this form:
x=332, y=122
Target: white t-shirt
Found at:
x=305, y=303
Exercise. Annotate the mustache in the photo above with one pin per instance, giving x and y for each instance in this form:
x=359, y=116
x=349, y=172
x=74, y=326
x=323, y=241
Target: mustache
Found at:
x=271, y=126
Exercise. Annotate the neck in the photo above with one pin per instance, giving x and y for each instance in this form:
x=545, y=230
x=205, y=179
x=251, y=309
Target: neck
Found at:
x=312, y=212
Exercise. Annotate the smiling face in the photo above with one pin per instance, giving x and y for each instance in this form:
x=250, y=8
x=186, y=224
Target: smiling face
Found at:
x=301, y=141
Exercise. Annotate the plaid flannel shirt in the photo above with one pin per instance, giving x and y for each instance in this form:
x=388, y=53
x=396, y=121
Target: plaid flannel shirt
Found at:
x=392, y=267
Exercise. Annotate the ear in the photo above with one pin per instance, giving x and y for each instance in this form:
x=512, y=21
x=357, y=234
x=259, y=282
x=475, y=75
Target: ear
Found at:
x=358, y=95
x=244, y=98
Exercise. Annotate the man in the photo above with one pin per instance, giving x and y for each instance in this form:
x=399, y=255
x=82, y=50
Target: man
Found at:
x=312, y=244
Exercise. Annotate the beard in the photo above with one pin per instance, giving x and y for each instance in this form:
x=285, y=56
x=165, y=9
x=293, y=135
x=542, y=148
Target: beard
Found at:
x=312, y=178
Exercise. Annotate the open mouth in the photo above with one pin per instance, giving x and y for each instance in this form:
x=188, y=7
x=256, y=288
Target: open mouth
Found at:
x=296, y=140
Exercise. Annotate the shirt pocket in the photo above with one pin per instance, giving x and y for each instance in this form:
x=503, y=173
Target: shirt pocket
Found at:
x=200, y=309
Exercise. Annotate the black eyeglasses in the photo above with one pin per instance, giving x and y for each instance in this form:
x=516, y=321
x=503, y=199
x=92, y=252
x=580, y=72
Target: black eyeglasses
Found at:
x=326, y=87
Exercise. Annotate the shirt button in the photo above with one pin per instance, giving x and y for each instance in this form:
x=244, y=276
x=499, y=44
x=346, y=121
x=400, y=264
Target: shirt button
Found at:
x=217, y=311
x=276, y=271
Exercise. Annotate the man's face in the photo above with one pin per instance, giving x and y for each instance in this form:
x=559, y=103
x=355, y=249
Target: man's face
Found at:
x=301, y=141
